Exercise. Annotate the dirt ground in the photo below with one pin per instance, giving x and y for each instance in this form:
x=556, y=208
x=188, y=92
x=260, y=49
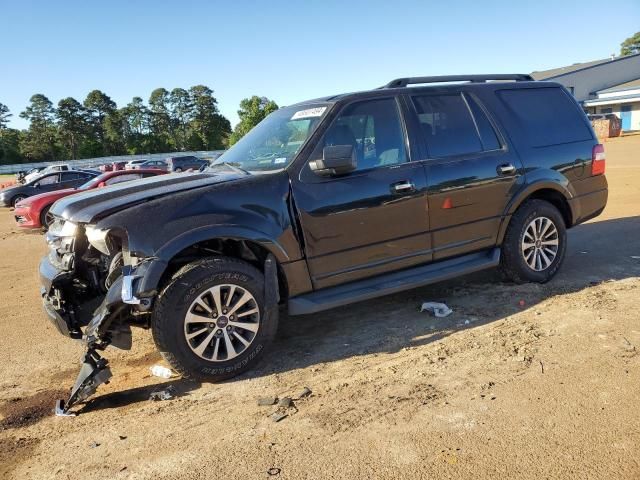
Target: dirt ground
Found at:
x=529, y=381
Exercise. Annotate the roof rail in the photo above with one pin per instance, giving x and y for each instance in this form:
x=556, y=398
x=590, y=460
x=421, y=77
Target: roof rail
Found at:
x=403, y=82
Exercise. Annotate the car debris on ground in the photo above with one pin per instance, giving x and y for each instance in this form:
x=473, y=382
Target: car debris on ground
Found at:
x=164, y=394
x=439, y=310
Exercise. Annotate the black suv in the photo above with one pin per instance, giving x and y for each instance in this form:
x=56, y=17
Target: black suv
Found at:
x=325, y=203
x=182, y=164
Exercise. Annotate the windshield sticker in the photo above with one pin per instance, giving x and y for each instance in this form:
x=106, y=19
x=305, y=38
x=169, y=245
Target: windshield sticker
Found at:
x=280, y=160
x=310, y=112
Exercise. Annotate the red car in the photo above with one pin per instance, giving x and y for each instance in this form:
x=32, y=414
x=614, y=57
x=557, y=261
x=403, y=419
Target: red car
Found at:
x=33, y=212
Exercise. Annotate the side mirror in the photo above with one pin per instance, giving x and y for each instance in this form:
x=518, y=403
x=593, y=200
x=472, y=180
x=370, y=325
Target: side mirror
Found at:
x=102, y=184
x=336, y=160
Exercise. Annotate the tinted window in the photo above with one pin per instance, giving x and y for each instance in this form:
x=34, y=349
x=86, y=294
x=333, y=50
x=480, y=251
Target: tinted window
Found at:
x=487, y=133
x=447, y=125
x=373, y=128
x=548, y=116
x=68, y=176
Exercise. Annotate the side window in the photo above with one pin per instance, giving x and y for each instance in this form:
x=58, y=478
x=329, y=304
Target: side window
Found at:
x=122, y=178
x=487, y=133
x=447, y=125
x=547, y=116
x=48, y=180
x=69, y=176
x=373, y=128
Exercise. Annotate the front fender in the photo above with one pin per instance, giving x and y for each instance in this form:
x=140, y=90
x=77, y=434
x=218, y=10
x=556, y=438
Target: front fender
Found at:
x=149, y=273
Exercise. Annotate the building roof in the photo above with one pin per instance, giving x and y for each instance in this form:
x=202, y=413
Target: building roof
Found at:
x=554, y=72
x=632, y=85
x=557, y=72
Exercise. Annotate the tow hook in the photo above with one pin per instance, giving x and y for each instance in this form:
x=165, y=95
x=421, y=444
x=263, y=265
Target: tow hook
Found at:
x=93, y=373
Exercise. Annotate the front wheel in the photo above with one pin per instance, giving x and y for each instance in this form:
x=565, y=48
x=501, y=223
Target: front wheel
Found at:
x=210, y=321
x=535, y=243
x=17, y=199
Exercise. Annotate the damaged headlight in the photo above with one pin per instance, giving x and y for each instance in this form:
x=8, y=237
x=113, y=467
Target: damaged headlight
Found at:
x=61, y=228
x=98, y=238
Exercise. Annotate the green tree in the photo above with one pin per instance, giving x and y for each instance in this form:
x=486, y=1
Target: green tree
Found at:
x=99, y=106
x=39, y=141
x=4, y=116
x=72, y=124
x=10, y=146
x=252, y=111
x=209, y=129
x=631, y=45
x=181, y=112
x=160, y=120
x=136, y=126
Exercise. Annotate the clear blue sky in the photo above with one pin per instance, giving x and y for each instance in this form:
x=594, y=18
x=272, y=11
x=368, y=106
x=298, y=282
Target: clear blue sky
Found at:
x=287, y=51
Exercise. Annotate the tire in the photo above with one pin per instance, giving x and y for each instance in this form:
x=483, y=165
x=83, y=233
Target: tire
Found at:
x=45, y=218
x=192, y=288
x=178, y=170
x=17, y=199
x=520, y=262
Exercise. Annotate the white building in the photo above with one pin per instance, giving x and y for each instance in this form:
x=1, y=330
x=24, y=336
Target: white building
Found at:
x=603, y=86
x=622, y=100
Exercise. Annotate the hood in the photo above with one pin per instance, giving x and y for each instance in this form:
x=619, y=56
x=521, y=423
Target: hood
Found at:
x=90, y=206
x=48, y=196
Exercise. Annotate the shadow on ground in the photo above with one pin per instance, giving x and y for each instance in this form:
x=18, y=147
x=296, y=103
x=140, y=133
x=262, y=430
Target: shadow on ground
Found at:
x=597, y=252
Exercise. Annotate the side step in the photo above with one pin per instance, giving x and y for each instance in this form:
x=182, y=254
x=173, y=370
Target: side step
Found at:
x=392, y=282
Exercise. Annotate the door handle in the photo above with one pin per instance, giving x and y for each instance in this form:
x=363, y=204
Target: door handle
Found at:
x=403, y=187
x=506, y=169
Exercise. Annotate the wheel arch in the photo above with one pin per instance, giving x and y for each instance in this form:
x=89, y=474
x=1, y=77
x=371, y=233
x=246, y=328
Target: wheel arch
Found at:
x=556, y=194
x=241, y=243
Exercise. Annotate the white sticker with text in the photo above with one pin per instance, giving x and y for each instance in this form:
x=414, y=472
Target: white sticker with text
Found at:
x=280, y=160
x=310, y=112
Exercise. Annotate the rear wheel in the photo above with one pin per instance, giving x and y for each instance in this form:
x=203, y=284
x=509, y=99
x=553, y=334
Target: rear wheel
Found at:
x=210, y=322
x=535, y=244
x=178, y=170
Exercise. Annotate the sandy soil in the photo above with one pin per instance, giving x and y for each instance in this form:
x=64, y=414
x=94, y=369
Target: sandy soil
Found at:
x=522, y=381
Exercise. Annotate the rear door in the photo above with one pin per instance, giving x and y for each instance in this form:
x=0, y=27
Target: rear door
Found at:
x=471, y=172
x=372, y=220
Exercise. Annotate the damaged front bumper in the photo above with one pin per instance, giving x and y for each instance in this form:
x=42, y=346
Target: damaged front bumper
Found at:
x=98, y=320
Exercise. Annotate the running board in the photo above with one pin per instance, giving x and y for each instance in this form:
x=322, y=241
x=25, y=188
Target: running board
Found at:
x=392, y=282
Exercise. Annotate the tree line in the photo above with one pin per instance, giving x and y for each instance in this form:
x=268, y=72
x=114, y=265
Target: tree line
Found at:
x=176, y=120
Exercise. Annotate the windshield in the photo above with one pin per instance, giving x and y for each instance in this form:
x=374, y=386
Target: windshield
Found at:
x=272, y=144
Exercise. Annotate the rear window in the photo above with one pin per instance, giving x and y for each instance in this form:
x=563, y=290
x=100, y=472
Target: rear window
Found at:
x=547, y=115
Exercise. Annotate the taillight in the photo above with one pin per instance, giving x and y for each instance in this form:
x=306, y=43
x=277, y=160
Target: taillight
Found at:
x=598, y=160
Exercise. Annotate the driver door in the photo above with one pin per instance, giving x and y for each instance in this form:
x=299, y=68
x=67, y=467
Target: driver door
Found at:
x=372, y=220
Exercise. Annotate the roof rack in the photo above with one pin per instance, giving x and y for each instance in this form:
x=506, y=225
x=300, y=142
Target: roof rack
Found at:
x=403, y=82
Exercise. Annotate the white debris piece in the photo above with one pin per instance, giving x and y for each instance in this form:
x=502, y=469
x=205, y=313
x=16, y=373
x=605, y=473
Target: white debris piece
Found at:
x=438, y=309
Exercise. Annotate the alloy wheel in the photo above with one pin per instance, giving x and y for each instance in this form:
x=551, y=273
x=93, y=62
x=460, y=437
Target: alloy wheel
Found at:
x=222, y=322
x=540, y=243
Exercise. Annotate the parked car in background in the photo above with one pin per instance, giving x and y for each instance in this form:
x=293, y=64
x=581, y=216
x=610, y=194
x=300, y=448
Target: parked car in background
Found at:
x=133, y=163
x=33, y=212
x=182, y=164
x=324, y=203
x=51, y=168
x=110, y=167
x=47, y=182
x=20, y=176
x=154, y=164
